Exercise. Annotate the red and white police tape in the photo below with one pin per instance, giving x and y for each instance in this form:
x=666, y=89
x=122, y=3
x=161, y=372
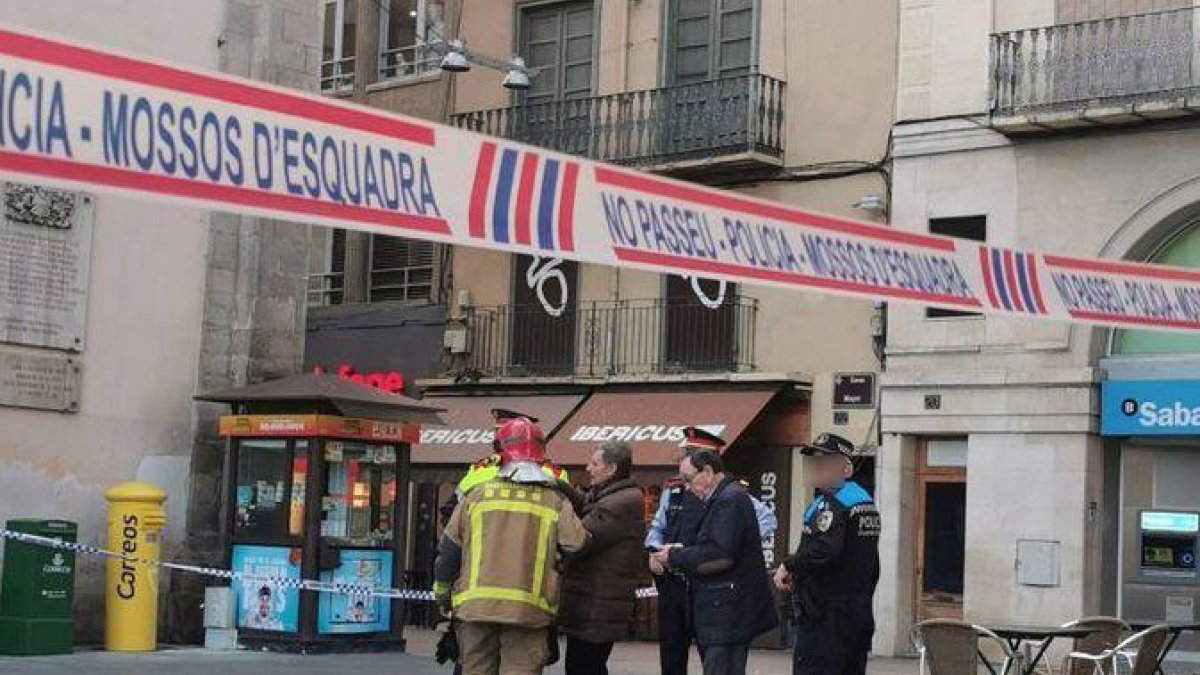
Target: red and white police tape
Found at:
x=408, y=594
x=89, y=118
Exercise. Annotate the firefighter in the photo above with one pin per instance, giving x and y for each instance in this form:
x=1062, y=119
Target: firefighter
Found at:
x=488, y=467
x=497, y=569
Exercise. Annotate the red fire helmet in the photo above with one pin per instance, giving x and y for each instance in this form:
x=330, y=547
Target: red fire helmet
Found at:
x=520, y=440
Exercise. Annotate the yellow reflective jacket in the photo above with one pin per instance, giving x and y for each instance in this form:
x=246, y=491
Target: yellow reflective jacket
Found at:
x=489, y=467
x=511, y=536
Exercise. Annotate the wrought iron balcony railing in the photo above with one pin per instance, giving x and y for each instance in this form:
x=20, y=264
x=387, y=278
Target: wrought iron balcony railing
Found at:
x=337, y=75
x=1126, y=61
x=600, y=339
x=655, y=127
x=411, y=61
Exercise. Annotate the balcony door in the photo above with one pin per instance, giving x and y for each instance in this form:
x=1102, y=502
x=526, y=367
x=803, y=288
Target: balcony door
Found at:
x=710, y=56
x=700, y=335
x=710, y=39
x=557, y=40
x=542, y=317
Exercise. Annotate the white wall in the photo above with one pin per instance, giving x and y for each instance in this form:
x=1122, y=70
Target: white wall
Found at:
x=144, y=308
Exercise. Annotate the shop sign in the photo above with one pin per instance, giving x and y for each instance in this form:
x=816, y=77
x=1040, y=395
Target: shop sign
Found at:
x=390, y=381
x=80, y=117
x=658, y=433
x=768, y=470
x=1150, y=408
x=258, y=426
x=442, y=436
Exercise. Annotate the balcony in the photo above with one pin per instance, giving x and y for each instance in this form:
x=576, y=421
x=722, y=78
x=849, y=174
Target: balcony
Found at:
x=608, y=339
x=734, y=123
x=337, y=75
x=1112, y=71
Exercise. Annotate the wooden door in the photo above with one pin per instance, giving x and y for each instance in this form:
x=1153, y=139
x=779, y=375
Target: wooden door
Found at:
x=941, y=529
x=557, y=40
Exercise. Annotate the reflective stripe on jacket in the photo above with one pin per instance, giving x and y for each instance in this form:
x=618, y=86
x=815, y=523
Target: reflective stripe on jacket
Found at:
x=511, y=535
x=489, y=468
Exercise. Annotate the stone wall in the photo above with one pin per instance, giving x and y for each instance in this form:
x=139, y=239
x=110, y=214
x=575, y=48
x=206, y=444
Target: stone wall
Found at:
x=254, y=311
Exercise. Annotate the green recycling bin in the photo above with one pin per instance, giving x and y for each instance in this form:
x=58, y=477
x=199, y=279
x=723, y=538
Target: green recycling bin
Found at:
x=37, y=591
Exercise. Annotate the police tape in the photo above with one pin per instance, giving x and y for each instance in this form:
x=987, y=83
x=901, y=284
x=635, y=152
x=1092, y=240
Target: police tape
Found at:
x=406, y=594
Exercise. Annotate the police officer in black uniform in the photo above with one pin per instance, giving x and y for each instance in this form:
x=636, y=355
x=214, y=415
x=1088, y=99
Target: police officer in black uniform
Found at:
x=677, y=522
x=832, y=575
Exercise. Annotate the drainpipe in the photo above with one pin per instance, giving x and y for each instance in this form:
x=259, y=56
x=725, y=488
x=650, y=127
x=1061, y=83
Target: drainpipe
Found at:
x=626, y=12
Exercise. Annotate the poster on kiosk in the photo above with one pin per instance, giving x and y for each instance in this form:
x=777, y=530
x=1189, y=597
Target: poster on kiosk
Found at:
x=262, y=602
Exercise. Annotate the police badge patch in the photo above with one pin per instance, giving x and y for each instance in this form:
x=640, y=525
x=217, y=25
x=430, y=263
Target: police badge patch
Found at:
x=824, y=521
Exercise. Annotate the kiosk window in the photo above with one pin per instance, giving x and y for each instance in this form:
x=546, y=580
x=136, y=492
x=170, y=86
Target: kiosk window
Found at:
x=360, y=494
x=270, y=484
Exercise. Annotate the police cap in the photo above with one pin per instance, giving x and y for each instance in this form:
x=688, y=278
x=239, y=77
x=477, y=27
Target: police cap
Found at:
x=827, y=445
x=503, y=415
x=695, y=438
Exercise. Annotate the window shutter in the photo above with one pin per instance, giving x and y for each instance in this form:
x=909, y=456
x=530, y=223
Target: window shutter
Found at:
x=401, y=269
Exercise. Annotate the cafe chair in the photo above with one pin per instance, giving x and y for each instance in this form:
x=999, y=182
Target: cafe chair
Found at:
x=1108, y=631
x=1141, y=651
x=949, y=647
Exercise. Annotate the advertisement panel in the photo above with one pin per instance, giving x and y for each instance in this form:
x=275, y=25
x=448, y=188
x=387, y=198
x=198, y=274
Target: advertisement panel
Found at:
x=352, y=613
x=267, y=601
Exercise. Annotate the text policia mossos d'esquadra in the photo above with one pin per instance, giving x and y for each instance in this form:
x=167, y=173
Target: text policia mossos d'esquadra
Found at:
x=82, y=117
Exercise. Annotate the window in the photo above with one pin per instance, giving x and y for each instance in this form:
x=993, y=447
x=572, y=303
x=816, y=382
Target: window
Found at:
x=1180, y=250
x=401, y=269
x=973, y=228
x=327, y=277
x=269, y=496
x=711, y=39
x=360, y=494
x=385, y=269
x=407, y=28
x=557, y=40
x=337, y=46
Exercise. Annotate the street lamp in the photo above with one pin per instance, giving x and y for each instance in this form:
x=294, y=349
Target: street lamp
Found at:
x=517, y=77
x=456, y=58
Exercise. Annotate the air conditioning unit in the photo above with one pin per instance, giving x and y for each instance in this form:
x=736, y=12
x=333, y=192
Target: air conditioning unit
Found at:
x=454, y=340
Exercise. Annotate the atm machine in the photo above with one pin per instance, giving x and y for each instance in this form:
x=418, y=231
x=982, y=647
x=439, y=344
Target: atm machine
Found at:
x=1168, y=546
x=1163, y=584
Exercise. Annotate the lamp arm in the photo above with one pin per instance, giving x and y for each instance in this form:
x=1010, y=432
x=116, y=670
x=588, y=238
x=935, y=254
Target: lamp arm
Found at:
x=443, y=46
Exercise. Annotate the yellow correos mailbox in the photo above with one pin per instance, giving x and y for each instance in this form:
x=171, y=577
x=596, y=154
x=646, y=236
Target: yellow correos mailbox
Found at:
x=135, y=524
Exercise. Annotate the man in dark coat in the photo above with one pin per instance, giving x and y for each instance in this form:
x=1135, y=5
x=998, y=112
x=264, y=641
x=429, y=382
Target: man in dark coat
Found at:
x=835, y=569
x=598, y=590
x=732, y=602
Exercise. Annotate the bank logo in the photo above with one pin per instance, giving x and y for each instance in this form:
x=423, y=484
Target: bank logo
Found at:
x=524, y=198
x=1011, y=280
x=1153, y=415
x=1129, y=407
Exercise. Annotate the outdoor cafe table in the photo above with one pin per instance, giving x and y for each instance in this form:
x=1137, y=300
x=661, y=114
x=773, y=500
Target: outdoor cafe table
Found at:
x=1176, y=629
x=1015, y=635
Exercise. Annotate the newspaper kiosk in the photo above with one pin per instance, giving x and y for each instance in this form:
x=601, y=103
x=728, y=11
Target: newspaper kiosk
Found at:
x=316, y=488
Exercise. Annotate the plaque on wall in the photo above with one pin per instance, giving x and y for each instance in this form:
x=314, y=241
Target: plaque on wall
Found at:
x=39, y=380
x=45, y=255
